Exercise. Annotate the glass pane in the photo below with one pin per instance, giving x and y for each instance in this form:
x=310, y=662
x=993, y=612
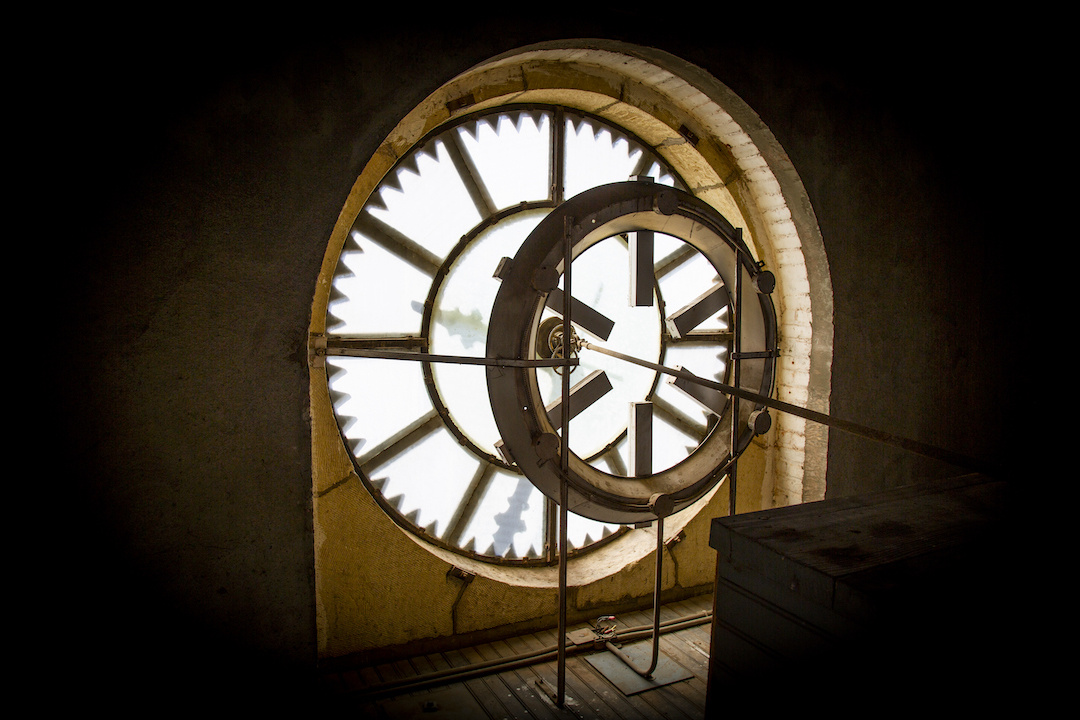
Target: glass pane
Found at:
x=459, y=325
x=379, y=397
x=510, y=517
x=594, y=156
x=581, y=531
x=435, y=492
x=671, y=445
x=512, y=156
x=381, y=294
x=433, y=208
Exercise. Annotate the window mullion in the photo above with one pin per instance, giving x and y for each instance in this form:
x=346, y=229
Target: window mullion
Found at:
x=558, y=156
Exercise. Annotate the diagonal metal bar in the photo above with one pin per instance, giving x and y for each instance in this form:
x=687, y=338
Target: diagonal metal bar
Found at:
x=469, y=175
x=457, y=359
x=400, y=441
x=398, y=243
x=848, y=426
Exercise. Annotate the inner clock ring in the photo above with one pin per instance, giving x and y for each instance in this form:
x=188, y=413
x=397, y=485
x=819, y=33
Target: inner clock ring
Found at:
x=527, y=426
x=632, y=330
x=455, y=320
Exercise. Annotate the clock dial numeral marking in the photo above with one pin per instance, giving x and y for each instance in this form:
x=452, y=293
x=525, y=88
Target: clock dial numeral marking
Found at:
x=641, y=268
x=590, y=389
x=706, y=305
x=641, y=438
x=582, y=315
x=711, y=399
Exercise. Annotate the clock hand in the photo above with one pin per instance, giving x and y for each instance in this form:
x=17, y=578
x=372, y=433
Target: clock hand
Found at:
x=839, y=423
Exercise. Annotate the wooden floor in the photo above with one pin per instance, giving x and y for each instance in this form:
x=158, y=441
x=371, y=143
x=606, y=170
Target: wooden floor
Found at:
x=526, y=691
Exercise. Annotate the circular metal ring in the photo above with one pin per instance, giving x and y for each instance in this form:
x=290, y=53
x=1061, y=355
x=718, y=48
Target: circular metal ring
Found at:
x=519, y=412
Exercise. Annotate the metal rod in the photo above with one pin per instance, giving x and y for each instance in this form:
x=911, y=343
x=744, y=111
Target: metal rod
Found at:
x=736, y=348
x=497, y=665
x=458, y=359
x=657, y=585
x=564, y=460
x=846, y=425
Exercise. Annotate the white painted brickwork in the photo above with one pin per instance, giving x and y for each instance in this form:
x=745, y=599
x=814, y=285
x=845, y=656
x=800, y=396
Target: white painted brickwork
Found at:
x=781, y=249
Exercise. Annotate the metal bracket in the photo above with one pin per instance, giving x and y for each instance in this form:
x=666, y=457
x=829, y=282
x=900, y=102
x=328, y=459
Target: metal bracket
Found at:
x=317, y=350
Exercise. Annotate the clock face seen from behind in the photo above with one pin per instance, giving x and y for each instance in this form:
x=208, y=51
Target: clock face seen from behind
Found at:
x=726, y=304
x=419, y=272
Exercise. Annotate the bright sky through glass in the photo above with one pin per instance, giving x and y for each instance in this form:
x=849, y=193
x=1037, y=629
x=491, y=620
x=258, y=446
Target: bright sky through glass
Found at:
x=459, y=324
x=417, y=218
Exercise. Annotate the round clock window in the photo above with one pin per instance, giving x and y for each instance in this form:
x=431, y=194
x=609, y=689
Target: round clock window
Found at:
x=420, y=272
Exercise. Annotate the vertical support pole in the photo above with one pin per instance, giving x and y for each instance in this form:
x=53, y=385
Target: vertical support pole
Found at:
x=662, y=506
x=658, y=585
x=557, y=162
x=564, y=460
x=736, y=347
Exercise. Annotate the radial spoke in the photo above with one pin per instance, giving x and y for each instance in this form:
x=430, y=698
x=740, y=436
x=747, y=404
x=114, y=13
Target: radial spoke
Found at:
x=470, y=176
x=400, y=441
x=469, y=503
x=678, y=419
x=398, y=243
x=614, y=459
x=672, y=261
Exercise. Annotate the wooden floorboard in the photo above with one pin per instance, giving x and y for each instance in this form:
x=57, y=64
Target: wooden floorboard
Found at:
x=527, y=692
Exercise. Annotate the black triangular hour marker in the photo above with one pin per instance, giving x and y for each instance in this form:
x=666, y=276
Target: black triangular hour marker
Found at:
x=594, y=386
x=582, y=315
x=706, y=305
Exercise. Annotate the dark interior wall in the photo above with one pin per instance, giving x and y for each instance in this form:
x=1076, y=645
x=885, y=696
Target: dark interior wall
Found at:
x=205, y=174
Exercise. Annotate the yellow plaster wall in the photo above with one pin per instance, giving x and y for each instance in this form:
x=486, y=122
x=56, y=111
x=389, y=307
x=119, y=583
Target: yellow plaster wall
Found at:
x=381, y=589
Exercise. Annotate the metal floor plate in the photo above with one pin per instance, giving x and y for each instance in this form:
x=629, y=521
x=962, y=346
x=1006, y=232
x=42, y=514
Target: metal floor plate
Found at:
x=627, y=680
